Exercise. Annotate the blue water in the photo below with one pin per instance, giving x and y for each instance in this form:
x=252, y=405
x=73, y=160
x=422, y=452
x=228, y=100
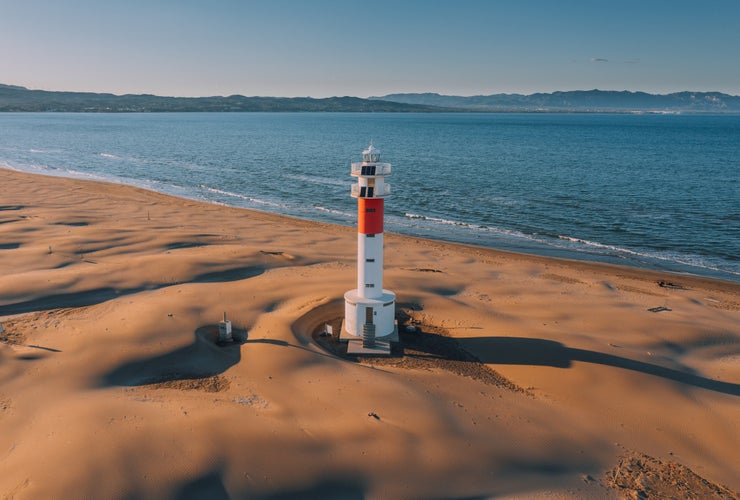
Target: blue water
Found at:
x=652, y=191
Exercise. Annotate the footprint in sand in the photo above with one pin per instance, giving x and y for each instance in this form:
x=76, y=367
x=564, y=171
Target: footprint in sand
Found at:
x=5, y=404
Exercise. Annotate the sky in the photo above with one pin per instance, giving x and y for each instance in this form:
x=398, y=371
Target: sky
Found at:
x=322, y=48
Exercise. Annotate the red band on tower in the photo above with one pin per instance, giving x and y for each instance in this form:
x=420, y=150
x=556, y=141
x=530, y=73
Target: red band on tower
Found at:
x=370, y=215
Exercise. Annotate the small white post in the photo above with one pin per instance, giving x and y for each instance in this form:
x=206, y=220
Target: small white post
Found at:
x=224, y=330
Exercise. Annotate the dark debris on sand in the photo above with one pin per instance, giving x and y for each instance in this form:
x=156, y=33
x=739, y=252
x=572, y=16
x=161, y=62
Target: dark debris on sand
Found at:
x=425, y=348
x=10, y=334
x=641, y=476
x=215, y=383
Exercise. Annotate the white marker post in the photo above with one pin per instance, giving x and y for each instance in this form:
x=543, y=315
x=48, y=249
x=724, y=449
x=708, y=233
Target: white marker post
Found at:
x=224, y=330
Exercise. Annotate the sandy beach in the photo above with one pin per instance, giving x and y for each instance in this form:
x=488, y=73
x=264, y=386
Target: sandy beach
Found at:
x=524, y=377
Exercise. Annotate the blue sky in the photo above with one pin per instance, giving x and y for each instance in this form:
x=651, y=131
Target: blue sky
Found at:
x=364, y=48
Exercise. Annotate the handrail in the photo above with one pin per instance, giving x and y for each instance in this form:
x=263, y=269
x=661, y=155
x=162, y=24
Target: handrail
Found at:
x=386, y=190
x=380, y=169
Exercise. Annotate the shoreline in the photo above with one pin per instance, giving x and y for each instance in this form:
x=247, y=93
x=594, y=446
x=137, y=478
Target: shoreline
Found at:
x=109, y=294
x=566, y=255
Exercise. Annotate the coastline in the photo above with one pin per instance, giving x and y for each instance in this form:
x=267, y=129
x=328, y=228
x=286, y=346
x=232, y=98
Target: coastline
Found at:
x=659, y=230
x=521, y=248
x=103, y=288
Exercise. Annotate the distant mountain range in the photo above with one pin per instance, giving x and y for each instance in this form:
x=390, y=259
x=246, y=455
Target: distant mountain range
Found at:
x=580, y=101
x=15, y=98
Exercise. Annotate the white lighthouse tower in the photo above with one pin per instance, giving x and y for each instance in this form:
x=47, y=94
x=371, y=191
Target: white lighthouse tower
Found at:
x=369, y=310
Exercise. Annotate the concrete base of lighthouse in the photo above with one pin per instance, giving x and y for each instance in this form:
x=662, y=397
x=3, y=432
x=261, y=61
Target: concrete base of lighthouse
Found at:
x=380, y=311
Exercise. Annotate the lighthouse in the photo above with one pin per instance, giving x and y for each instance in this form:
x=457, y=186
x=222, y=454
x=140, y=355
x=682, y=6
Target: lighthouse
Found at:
x=369, y=310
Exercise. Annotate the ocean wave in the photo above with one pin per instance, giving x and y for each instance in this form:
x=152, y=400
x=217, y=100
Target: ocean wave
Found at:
x=468, y=225
x=109, y=155
x=583, y=246
x=243, y=197
x=69, y=172
x=335, y=212
x=42, y=151
x=611, y=249
x=25, y=167
x=603, y=246
x=670, y=257
x=36, y=168
x=7, y=165
x=325, y=181
x=438, y=220
x=502, y=201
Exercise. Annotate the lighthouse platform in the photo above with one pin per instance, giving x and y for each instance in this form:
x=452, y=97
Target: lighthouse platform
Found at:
x=355, y=345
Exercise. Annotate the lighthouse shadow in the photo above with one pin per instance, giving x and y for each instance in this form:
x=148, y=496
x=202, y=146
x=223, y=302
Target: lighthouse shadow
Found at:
x=104, y=294
x=204, y=357
x=539, y=352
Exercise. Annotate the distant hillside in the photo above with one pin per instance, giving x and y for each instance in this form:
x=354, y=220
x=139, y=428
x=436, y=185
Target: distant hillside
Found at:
x=14, y=98
x=580, y=100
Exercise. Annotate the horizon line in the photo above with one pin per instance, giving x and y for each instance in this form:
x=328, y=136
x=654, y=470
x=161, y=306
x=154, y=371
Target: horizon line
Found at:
x=370, y=96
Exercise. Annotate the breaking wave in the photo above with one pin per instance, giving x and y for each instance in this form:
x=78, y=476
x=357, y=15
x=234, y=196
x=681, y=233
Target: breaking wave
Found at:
x=243, y=197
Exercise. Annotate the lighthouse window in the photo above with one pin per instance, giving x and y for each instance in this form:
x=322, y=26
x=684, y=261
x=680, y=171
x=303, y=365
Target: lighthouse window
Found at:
x=369, y=260
x=370, y=191
x=363, y=190
x=370, y=235
x=370, y=210
x=369, y=285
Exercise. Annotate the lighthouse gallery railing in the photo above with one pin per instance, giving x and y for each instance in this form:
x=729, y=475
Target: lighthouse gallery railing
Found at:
x=363, y=169
x=385, y=191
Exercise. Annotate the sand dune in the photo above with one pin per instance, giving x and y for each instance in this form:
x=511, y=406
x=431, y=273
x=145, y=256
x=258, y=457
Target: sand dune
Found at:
x=526, y=377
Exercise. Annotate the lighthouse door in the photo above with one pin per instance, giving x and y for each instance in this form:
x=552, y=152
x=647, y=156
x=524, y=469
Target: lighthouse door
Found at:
x=368, y=315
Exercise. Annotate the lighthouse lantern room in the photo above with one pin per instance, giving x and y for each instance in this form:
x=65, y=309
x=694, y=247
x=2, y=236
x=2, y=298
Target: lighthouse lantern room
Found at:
x=369, y=310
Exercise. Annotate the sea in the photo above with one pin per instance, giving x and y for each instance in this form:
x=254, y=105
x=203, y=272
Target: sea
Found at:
x=654, y=191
